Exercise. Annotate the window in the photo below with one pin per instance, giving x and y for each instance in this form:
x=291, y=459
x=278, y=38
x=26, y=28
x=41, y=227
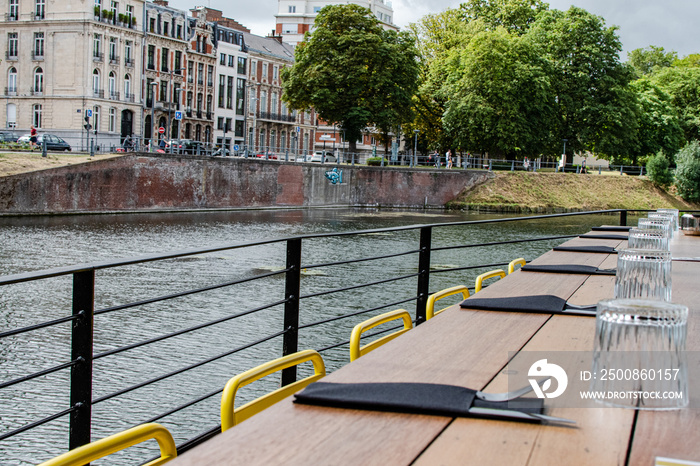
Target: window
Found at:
x=165, y=53
x=112, y=119
x=38, y=81
x=273, y=102
x=229, y=92
x=210, y=76
x=251, y=138
x=178, y=62
x=210, y=100
x=179, y=31
x=36, y=115
x=241, y=65
x=114, y=8
x=252, y=100
x=96, y=118
x=152, y=25
x=283, y=140
x=12, y=45
x=228, y=124
x=231, y=61
x=253, y=67
x=273, y=139
x=289, y=28
x=263, y=101
x=130, y=13
x=38, y=44
x=127, y=88
x=190, y=71
x=200, y=73
x=239, y=128
x=222, y=59
x=240, y=96
x=264, y=70
x=220, y=123
x=261, y=142
x=166, y=30
x=176, y=94
x=275, y=72
x=292, y=9
x=222, y=90
x=95, y=82
x=113, y=49
x=189, y=101
x=317, y=9
x=200, y=101
x=12, y=80
x=151, y=57
x=14, y=10
x=127, y=52
x=40, y=9
x=112, y=83
x=163, y=91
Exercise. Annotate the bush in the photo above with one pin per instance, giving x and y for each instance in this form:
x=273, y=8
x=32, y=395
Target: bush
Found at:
x=658, y=170
x=688, y=172
x=376, y=161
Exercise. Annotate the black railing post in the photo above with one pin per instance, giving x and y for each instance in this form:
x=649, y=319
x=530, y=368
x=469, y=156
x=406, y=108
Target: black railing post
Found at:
x=623, y=218
x=81, y=373
x=423, y=273
x=290, y=343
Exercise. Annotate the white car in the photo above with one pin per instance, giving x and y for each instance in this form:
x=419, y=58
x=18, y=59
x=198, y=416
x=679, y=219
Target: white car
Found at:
x=319, y=154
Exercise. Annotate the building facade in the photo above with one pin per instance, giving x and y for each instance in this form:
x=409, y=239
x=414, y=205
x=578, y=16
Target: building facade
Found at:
x=294, y=18
x=65, y=60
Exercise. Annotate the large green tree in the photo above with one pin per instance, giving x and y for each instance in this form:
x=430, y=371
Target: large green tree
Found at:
x=514, y=15
x=595, y=105
x=683, y=84
x=353, y=72
x=646, y=61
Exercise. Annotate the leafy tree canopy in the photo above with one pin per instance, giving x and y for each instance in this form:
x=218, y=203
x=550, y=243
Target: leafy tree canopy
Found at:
x=688, y=172
x=353, y=72
x=683, y=85
x=648, y=60
x=514, y=15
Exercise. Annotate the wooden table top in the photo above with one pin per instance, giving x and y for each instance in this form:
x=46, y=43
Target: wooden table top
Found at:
x=470, y=348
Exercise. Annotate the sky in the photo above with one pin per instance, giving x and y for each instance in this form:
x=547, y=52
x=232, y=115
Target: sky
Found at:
x=671, y=24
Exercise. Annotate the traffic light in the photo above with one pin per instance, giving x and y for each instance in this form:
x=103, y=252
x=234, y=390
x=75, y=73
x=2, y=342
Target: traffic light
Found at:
x=87, y=125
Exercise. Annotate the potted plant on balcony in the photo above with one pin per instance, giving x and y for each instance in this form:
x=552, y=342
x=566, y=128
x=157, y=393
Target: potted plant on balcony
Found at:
x=105, y=14
x=97, y=12
x=110, y=16
x=133, y=21
x=121, y=18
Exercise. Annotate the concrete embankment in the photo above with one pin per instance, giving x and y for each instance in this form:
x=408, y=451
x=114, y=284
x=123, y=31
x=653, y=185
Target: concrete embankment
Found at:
x=143, y=182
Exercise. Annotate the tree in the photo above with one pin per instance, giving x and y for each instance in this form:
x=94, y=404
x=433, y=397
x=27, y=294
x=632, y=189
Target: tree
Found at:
x=498, y=95
x=658, y=170
x=683, y=84
x=688, y=172
x=647, y=61
x=353, y=73
x=596, y=109
x=514, y=15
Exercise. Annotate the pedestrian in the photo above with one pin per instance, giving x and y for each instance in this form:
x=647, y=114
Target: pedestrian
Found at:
x=32, y=135
x=448, y=158
x=583, y=166
x=526, y=164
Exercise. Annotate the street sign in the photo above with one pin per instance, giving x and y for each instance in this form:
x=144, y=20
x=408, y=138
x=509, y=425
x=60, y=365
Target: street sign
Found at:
x=88, y=112
x=236, y=147
x=161, y=130
x=178, y=115
x=326, y=137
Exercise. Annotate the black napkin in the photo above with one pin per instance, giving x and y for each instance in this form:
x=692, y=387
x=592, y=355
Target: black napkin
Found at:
x=611, y=228
x=604, y=236
x=591, y=249
x=567, y=268
x=544, y=303
x=414, y=398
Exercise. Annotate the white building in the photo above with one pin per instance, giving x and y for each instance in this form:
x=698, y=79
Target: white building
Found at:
x=296, y=17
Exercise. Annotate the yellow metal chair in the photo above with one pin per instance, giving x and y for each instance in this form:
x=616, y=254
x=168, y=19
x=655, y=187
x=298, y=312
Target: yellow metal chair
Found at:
x=430, y=306
x=230, y=415
x=120, y=441
x=519, y=261
x=356, y=351
x=485, y=276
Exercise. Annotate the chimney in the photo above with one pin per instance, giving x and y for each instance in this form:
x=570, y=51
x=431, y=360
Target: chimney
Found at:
x=161, y=2
x=276, y=37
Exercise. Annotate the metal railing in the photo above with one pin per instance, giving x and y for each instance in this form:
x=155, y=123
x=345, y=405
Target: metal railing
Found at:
x=80, y=363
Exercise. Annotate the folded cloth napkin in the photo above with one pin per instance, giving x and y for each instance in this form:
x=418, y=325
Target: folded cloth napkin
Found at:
x=544, y=303
x=567, y=268
x=604, y=236
x=592, y=249
x=611, y=228
x=415, y=398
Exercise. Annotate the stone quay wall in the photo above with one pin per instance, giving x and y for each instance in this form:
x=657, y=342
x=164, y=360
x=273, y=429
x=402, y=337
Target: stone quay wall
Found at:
x=142, y=182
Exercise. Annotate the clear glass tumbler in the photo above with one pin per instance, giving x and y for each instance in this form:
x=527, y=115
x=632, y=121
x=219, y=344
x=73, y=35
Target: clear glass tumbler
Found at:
x=675, y=213
x=643, y=274
x=647, y=239
x=639, y=358
x=666, y=217
x=656, y=223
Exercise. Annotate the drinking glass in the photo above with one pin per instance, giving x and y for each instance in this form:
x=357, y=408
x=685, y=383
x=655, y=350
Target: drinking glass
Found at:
x=639, y=358
x=675, y=213
x=666, y=217
x=647, y=239
x=643, y=274
x=656, y=223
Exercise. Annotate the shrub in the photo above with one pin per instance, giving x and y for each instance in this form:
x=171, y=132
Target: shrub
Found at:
x=375, y=161
x=658, y=170
x=688, y=172
x=97, y=11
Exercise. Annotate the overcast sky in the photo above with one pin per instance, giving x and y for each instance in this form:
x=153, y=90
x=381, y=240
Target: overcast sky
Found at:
x=671, y=24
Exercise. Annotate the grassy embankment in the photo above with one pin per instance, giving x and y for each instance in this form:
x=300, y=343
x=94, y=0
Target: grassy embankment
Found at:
x=560, y=192
x=12, y=163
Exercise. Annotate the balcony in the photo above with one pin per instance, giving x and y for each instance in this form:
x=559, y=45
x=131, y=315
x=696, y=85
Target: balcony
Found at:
x=97, y=56
x=199, y=114
x=39, y=16
x=11, y=55
x=10, y=91
x=150, y=66
x=114, y=95
x=210, y=116
x=129, y=98
x=164, y=69
x=276, y=117
x=188, y=112
x=129, y=62
x=114, y=60
x=98, y=93
x=36, y=92
x=11, y=16
x=37, y=55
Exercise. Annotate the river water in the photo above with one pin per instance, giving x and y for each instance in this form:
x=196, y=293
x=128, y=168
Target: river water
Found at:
x=36, y=243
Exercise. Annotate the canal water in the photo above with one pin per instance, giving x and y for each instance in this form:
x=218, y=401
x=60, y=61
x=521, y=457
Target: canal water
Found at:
x=36, y=243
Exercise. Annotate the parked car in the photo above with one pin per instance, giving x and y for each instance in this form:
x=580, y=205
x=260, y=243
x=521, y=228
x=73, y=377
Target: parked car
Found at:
x=53, y=142
x=269, y=156
x=222, y=152
x=319, y=156
x=8, y=136
x=188, y=146
x=24, y=139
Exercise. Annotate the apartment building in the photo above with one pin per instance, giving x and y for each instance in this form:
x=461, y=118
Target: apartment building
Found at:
x=66, y=60
x=294, y=18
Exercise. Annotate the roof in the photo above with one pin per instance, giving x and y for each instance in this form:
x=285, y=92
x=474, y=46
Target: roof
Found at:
x=268, y=46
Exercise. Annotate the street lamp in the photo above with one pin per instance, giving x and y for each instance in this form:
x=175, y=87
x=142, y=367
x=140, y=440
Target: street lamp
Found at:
x=153, y=115
x=415, y=148
x=179, y=89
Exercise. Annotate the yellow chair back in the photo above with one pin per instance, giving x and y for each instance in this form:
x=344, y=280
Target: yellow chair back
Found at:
x=430, y=306
x=356, y=351
x=519, y=261
x=120, y=441
x=230, y=415
x=485, y=276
